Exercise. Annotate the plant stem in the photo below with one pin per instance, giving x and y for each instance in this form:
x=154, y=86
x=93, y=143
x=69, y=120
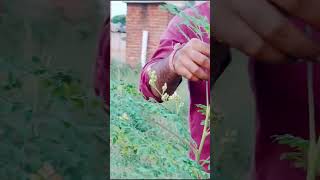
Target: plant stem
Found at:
x=195, y=27
x=206, y=123
x=312, y=154
x=311, y=175
x=204, y=161
x=204, y=134
x=184, y=142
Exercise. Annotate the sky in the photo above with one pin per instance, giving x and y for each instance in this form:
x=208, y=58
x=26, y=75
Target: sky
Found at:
x=118, y=8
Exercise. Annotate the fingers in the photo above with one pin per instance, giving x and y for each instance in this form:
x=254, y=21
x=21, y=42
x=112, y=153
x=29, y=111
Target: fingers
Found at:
x=187, y=74
x=276, y=29
x=200, y=46
x=188, y=68
x=308, y=10
x=196, y=70
x=200, y=59
x=192, y=60
x=239, y=35
x=257, y=48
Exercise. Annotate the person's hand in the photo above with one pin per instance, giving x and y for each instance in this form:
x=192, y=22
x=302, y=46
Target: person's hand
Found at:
x=308, y=10
x=192, y=60
x=260, y=29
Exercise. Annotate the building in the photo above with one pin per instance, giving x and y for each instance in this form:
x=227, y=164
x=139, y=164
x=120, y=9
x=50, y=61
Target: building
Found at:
x=145, y=24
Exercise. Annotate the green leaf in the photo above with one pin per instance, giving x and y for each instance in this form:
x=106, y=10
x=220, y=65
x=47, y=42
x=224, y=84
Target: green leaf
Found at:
x=35, y=59
x=78, y=102
x=202, y=109
x=28, y=115
x=66, y=124
x=16, y=107
x=12, y=82
x=40, y=71
x=292, y=141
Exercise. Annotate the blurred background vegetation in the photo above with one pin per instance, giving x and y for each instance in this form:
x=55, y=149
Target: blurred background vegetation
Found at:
x=234, y=135
x=51, y=123
x=119, y=19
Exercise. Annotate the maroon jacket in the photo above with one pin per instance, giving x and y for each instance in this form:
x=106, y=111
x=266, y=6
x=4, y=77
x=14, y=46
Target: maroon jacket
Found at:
x=102, y=68
x=281, y=98
x=197, y=90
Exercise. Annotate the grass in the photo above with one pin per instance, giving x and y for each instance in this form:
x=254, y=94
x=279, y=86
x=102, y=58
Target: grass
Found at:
x=146, y=137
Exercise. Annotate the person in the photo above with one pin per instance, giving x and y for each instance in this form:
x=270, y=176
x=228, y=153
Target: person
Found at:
x=190, y=60
x=102, y=66
x=272, y=34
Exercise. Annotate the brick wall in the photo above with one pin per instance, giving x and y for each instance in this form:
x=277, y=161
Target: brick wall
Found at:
x=144, y=16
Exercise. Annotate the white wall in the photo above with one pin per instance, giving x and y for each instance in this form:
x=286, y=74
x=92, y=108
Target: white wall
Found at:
x=118, y=46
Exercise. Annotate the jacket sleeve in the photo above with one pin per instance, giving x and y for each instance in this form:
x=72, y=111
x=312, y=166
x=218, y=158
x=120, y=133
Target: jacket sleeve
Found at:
x=169, y=38
x=172, y=35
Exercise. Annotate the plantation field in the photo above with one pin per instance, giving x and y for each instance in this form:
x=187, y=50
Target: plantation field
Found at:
x=146, y=137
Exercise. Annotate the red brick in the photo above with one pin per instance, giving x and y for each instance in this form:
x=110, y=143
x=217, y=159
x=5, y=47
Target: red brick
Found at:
x=142, y=16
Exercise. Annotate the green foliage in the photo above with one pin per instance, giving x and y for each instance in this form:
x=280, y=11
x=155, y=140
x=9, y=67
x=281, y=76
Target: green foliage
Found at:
x=297, y=143
x=299, y=155
x=119, y=19
x=308, y=153
x=147, y=138
x=59, y=123
x=202, y=109
x=195, y=22
x=300, y=147
x=49, y=115
x=150, y=139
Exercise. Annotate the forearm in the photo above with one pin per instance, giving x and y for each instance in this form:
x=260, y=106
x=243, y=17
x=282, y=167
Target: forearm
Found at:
x=165, y=75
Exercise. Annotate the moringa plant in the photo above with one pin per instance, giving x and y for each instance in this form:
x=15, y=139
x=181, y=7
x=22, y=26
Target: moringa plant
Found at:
x=50, y=120
x=165, y=97
x=200, y=26
x=306, y=154
x=56, y=126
